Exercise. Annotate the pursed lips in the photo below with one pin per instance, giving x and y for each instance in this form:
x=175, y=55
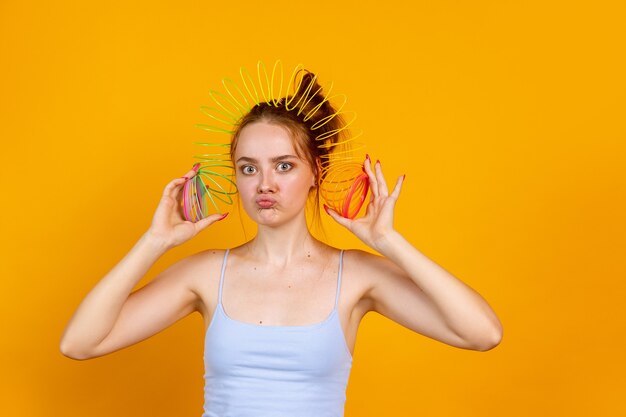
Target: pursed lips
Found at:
x=265, y=202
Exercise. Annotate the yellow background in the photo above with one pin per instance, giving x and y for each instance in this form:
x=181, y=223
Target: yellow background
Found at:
x=507, y=118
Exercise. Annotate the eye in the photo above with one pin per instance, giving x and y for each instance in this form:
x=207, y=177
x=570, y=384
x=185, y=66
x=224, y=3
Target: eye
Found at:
x=284, y=166
x=248, y=169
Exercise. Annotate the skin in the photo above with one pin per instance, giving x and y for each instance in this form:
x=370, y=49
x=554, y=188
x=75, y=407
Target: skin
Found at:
x=283, y=276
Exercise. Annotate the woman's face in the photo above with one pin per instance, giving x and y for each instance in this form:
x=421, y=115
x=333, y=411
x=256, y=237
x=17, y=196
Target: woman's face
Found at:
x=273, y=182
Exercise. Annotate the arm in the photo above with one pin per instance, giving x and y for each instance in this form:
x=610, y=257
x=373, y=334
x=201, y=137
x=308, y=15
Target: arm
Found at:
x=411, y=289
x=110, y=317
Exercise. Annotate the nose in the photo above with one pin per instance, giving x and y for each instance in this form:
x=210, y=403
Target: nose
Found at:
x=266, y=183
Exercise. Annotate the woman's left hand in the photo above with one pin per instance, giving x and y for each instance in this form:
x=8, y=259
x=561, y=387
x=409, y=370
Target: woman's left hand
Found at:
x=377, y=224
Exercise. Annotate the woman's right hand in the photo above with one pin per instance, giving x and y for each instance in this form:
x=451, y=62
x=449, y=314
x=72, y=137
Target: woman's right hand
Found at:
x=169, y=228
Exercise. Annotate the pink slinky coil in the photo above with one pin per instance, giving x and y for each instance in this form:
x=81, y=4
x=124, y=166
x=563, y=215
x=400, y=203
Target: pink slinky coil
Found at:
x=344, y=188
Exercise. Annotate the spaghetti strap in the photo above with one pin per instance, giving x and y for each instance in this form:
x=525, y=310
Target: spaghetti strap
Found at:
x=339, y=278
x=219, y=293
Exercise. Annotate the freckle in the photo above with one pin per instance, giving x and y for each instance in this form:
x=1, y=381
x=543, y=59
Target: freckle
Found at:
x=261, y=321
x=290, y=286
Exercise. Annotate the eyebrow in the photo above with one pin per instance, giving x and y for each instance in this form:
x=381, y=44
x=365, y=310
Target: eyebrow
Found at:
x=274, y=159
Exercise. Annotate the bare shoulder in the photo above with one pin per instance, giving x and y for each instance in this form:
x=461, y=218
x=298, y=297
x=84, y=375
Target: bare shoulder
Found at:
x=367, y=265
x=199, y=265
x=199, y=273
x=366, y=261
x=366, y=270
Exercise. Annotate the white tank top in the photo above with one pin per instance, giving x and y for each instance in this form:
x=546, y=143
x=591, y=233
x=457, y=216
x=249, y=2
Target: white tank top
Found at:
x=275, y=371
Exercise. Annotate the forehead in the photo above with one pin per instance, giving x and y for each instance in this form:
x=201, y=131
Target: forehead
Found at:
x=262, y=139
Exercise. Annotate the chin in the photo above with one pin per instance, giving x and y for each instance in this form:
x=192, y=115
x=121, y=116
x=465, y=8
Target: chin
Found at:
x=263, y=216
x=269, y=217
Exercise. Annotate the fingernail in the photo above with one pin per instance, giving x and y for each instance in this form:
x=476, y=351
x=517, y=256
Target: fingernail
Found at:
x=223, y=216
x=196, y=166
x=403, y=177
x=185, y=177
x=367, y=156
x=326, y=208
x=378, y=162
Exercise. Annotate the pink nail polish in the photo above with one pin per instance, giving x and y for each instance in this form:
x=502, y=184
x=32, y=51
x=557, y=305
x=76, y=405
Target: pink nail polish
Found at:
x=223, y=216
x=367, y=156
x=196, y=166
x=326, y=208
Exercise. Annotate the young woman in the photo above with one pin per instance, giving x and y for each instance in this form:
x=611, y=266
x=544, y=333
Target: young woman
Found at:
x=282, y=310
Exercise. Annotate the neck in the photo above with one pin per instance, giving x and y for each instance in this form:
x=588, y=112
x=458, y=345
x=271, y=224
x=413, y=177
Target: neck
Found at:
x=279, y=245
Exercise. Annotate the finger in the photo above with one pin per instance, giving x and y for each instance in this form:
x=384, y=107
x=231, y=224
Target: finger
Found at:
x=370, y=210
x=209, y=220
x=382, y=184
x=396, y=190
x=390, y=203
x=192, y=172
x=367, y=166
x=338, y=218
x=172, y=188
